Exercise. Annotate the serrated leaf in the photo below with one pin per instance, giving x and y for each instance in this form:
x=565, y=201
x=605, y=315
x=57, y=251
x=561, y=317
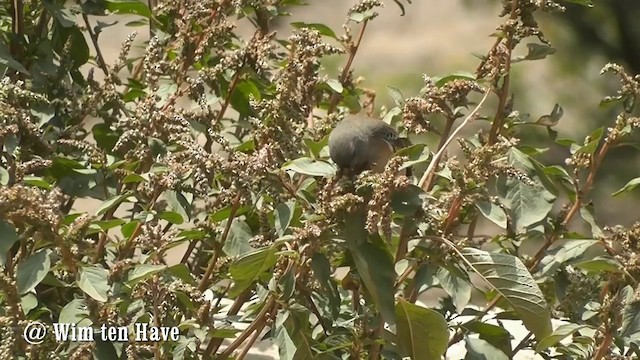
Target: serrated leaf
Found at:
x=32, y=270
x=412, y=323
x=510, y=278
x=94, y=281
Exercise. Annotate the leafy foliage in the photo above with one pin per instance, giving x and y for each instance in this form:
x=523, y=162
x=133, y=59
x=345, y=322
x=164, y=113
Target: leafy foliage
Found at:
x=214, y=147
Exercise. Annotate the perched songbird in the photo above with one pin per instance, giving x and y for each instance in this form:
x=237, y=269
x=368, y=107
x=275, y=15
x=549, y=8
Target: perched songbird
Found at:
x=361, y=143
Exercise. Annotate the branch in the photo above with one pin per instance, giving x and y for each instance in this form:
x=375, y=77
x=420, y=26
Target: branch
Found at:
x=432, y=165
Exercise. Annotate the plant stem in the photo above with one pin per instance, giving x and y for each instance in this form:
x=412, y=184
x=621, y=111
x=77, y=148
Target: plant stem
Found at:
x=257, y=325
x=353, y=49
x=432, y=165
x=212, y=263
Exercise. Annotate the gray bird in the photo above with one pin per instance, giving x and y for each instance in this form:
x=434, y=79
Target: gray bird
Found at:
x=361, y=143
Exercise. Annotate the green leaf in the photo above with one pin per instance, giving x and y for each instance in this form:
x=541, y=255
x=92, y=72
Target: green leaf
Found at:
x=128, y=7
x=309, y=166
x=527, y=202
x=587, y=214
x=133, y=178
x=630, y=186
x=251, y=266
x=292, y=337
x=178, y=203
x=460, y=75
x=28, y=302
x=79, y=49
x=396, y=95
x=511, y=279
x=553, y=118
x=75, y=312
x=94, y=281
x=407, y=200
x=8, y=237
x=181, y=348
x=587, y=3
x=558, y=334
x=172, y=217
x=111, y=202
x=243, y=93
x=413, y=323
x=535, y=52
x=239, y=241
x=458, y=288
x=7, y=61
x=63, y=15
x=376, y=271
x=600, y=264
x=283, y=216
x=321, y=28
x=495, y=335
x=362, y=16
x=478, y=349
x=335, y=85
x=103, y=225
x=143, y=271
x=630, y=315
x=493, y=212
x=105, y=137
x=4, y=177
x=32, y=270
x=315, y=147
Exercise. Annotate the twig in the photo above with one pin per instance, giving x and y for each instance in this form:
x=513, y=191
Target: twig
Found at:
x=212, y=263
x=504, y=91
x=94, y=39
x=257, y=325
x=432, y=165
x=521, y=344
x=353, y=49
